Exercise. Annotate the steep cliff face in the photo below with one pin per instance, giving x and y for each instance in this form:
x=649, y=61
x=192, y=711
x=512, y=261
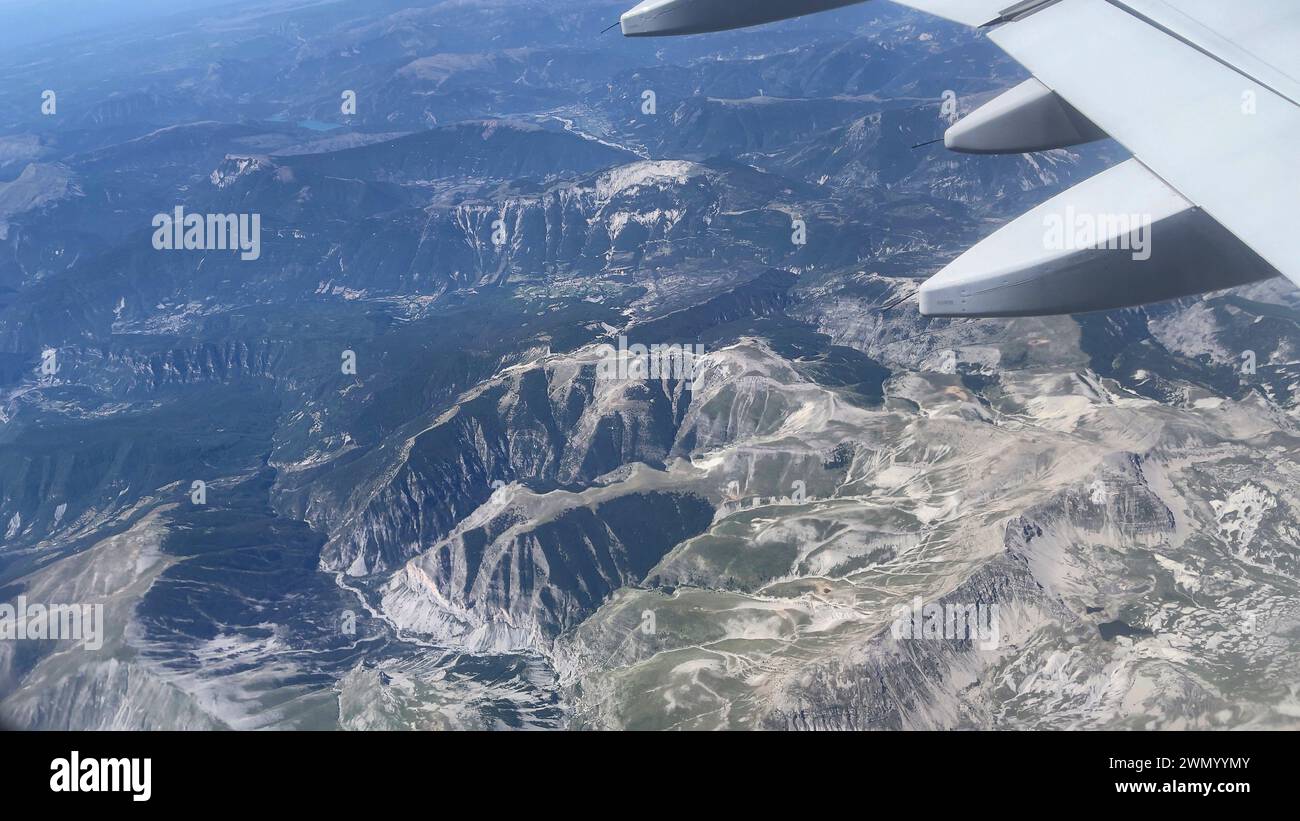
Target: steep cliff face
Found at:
x=518, y=582
x=646, y=217
x=476, y=224
x=554, y=425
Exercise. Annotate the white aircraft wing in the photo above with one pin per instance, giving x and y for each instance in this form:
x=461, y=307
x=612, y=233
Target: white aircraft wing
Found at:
x=1205, y=94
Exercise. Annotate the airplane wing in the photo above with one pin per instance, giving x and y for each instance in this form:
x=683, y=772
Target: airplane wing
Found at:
x=1204, y=94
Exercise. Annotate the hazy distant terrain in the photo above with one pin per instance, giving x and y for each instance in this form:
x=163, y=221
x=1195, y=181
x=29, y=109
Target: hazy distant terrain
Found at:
x=471, y=527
